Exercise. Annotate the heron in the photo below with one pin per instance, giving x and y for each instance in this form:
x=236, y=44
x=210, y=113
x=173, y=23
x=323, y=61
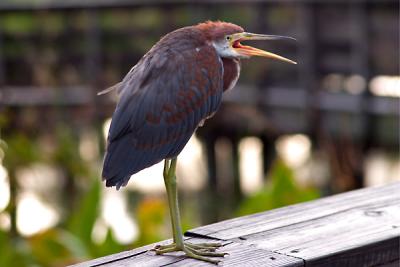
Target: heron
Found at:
x=164, y=98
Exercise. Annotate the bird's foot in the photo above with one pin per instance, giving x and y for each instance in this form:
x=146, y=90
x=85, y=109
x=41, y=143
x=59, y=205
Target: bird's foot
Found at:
x=197, y=251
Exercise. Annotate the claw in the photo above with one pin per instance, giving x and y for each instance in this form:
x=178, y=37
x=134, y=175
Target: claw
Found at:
x=196, y=251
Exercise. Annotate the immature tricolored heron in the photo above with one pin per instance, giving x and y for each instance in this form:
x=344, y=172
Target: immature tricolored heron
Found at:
x=173, y=89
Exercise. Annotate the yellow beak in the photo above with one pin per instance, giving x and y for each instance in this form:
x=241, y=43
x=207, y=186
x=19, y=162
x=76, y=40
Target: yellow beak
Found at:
x=248, y=51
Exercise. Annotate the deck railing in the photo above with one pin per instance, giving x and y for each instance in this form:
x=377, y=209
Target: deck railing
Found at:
x=357, y=228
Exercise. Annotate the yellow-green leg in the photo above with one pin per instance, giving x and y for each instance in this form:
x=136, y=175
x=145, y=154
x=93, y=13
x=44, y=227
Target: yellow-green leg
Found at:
x=196, y=251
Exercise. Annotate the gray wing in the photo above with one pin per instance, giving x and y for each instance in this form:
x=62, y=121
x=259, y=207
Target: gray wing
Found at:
x=161, y=104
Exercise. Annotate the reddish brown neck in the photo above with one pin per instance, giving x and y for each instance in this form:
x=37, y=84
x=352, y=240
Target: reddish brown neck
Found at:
x=231, y=72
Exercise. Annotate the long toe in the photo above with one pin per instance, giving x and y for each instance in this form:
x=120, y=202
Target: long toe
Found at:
x=195, y=254
x=161, y=247
x=205, y=246
x=203, y=252
x=200, y=251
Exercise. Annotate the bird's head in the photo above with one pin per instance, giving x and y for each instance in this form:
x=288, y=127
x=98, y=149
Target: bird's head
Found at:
x=227, y=37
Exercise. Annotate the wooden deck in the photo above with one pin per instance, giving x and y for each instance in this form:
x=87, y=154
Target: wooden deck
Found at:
x=358, y=228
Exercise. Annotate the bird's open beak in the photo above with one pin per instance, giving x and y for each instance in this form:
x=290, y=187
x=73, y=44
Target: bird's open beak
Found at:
x=248, y=51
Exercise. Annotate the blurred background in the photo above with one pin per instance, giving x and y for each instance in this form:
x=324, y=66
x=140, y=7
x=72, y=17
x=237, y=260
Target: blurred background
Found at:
x=285, y=134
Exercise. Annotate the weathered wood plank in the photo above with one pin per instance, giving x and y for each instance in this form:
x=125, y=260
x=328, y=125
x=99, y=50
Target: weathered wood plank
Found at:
x=294, y=214
x=383, y=253
x=359, y=228
x=358, y=237
x=247, y=255
x=119, y=256
x=239, y=255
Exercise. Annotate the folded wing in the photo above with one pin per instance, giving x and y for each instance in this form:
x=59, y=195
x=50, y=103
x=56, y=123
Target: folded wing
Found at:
x=162, y=101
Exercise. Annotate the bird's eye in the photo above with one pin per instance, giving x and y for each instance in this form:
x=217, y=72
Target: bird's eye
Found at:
x=228, y=38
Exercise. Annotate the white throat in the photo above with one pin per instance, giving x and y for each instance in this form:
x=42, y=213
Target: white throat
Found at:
x=225, y=50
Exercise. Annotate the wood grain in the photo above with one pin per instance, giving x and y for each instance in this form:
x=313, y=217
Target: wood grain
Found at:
x=239, y=255
x=358, y=228
x=279, y=218
x=371, y=234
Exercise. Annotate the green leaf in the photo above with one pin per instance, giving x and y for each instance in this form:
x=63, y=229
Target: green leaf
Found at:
x=19, y=23
x=85, y=214
x=48, y=250
x=5, y=252
x=14, y=252
x=19, y=150
x=109, y=246
x=67, y=152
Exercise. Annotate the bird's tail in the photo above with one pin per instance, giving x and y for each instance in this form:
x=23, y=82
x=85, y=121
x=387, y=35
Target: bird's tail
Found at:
x=122, y=160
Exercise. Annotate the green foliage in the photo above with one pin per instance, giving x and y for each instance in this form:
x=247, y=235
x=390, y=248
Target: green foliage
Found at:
x=85, y=214
x=67, y=152
x=18, y=23
x=52, y=248
x=58, y=246
x=71, y=241
x=10, y=252
x=19, y=151
x=145, y=18
x=109, y=246
x=151, y=216
x=281, y=191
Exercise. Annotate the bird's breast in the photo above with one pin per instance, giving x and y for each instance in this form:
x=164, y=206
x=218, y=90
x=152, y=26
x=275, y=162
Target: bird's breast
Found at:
x=231, y=72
